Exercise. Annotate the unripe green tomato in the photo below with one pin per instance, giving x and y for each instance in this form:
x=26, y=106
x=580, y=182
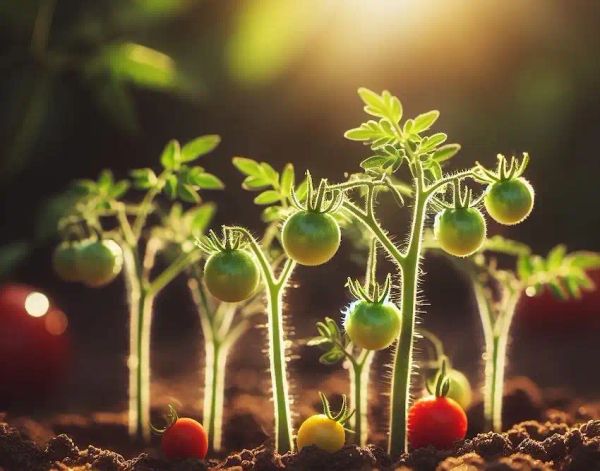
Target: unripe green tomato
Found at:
x=460, y=388
x=311, y=238
x=99, y=262
x=64, y=261
x=231, y=275
x=509, y=201
x=322, y=432
x=460, y=231
x=373, y=326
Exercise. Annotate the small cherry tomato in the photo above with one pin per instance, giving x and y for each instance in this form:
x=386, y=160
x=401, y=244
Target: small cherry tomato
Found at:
x=509, y=201
x=185, y=438
x=231, y=275
x=323, y=432
x=65, y=261
x=460, y=389
x=99, y=262
x=311, y=238
x=460, y=231
x=373, y=326
x=436, y=421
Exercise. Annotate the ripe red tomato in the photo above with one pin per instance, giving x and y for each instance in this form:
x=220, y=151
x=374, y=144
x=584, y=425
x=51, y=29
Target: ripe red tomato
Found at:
x=185, y=438
x=34, y=347
x=437, y=421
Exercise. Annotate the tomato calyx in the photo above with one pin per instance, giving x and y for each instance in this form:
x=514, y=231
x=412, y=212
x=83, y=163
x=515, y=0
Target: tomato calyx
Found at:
x=440, y=386
x=322, y=200
x=170, y=417
x=343, y=415
x=373, y=292
x=505, y=170
x=230, y=241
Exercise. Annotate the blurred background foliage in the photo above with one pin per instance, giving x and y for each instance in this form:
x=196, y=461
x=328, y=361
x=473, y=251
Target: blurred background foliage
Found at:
x=89, y=84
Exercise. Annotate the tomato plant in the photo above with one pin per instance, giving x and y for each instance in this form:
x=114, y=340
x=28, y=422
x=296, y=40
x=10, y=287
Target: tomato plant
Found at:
x=182, y=438
x=326, y=430
x=132, y=241
x=436, y=420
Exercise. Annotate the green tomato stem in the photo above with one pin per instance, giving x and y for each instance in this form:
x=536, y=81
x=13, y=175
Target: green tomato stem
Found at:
x=359, y=372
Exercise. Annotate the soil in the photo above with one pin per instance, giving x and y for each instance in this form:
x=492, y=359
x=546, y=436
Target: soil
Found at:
x=548, y=431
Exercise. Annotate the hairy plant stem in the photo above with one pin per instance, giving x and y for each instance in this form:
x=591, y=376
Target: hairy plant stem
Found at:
x=359, y=371
x=275, y=288
x=496, y=319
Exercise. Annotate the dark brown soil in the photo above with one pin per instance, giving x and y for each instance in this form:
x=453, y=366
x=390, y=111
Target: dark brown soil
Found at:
x=552, y=444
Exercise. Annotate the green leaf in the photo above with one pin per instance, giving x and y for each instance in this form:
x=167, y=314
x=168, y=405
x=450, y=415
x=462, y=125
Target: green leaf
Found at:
x=446, y=152
x=378, y=133
x=375, y=161
x=105, y=180
x=201, y=218
x=255, y=183
x=247, y=166
x=119, y=189
x=188, y=193
x=143, y=178
x=171, y=186
x=268, y=197
x=171, y=155
x=424, y=121
x=331, y=357
x=287, y=180
x=270, y=173
x=524, y=267
x=198, y=147
x=433, y=141
x=556, y=257
x=384, y=106
x=585, y=260
x=435, y=168
x=203, y=180
x=273, y=213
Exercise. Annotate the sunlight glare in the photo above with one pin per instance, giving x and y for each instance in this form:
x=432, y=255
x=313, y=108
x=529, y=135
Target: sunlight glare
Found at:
x=37, y=304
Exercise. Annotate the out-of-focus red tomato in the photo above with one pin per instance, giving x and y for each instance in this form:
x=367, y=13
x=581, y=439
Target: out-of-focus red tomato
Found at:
x=34, y=345
x=547, y=313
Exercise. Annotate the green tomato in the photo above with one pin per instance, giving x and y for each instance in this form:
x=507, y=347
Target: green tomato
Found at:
x=65, y=261
x=322, y=432
x=509, y=201
x=373, y=326
x=460, y=231
x=460, y=388
x=231, y=275
x=311, y=238
x=99, y=262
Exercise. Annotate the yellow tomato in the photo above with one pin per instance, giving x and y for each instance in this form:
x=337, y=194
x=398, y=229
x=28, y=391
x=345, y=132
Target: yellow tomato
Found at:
x=321, y=431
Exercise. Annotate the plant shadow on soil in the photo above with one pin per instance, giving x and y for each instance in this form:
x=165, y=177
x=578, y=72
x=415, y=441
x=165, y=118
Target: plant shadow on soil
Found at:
x=545, y=431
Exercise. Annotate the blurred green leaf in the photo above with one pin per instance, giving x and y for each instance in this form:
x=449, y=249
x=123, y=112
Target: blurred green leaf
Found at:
x=12, y=255
x=205, y=181
x=143, y=178
x=187, y=193
x=171, y=156
x=268, y=197
x=199, y=147
x=383, y=106
x=247, y=166
x=287, y=180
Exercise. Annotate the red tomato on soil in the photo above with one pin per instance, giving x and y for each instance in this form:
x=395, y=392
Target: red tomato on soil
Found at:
x=186, y=438
x=437, y=421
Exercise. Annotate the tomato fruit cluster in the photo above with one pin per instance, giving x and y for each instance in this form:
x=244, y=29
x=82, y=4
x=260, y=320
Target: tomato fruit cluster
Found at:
x=460, y=231
x=372, y=325
x=311, y=238
x=231, y=275
x=93, y=262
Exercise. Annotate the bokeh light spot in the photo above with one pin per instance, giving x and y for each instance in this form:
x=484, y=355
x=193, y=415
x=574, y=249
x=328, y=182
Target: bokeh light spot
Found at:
x=37, y=304
x=56, y=322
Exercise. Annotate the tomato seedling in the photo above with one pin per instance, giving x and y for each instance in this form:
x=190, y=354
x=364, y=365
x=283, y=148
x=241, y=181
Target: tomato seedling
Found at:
x=436, y=420
x=395, y=146
x=133, y=240
x=182, y=438
x=325, y=431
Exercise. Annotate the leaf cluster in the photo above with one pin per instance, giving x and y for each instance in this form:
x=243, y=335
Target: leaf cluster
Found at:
x=274, y=187
x=331, y=340
x=180, y=226
x=564, y=274
x=394, y=143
